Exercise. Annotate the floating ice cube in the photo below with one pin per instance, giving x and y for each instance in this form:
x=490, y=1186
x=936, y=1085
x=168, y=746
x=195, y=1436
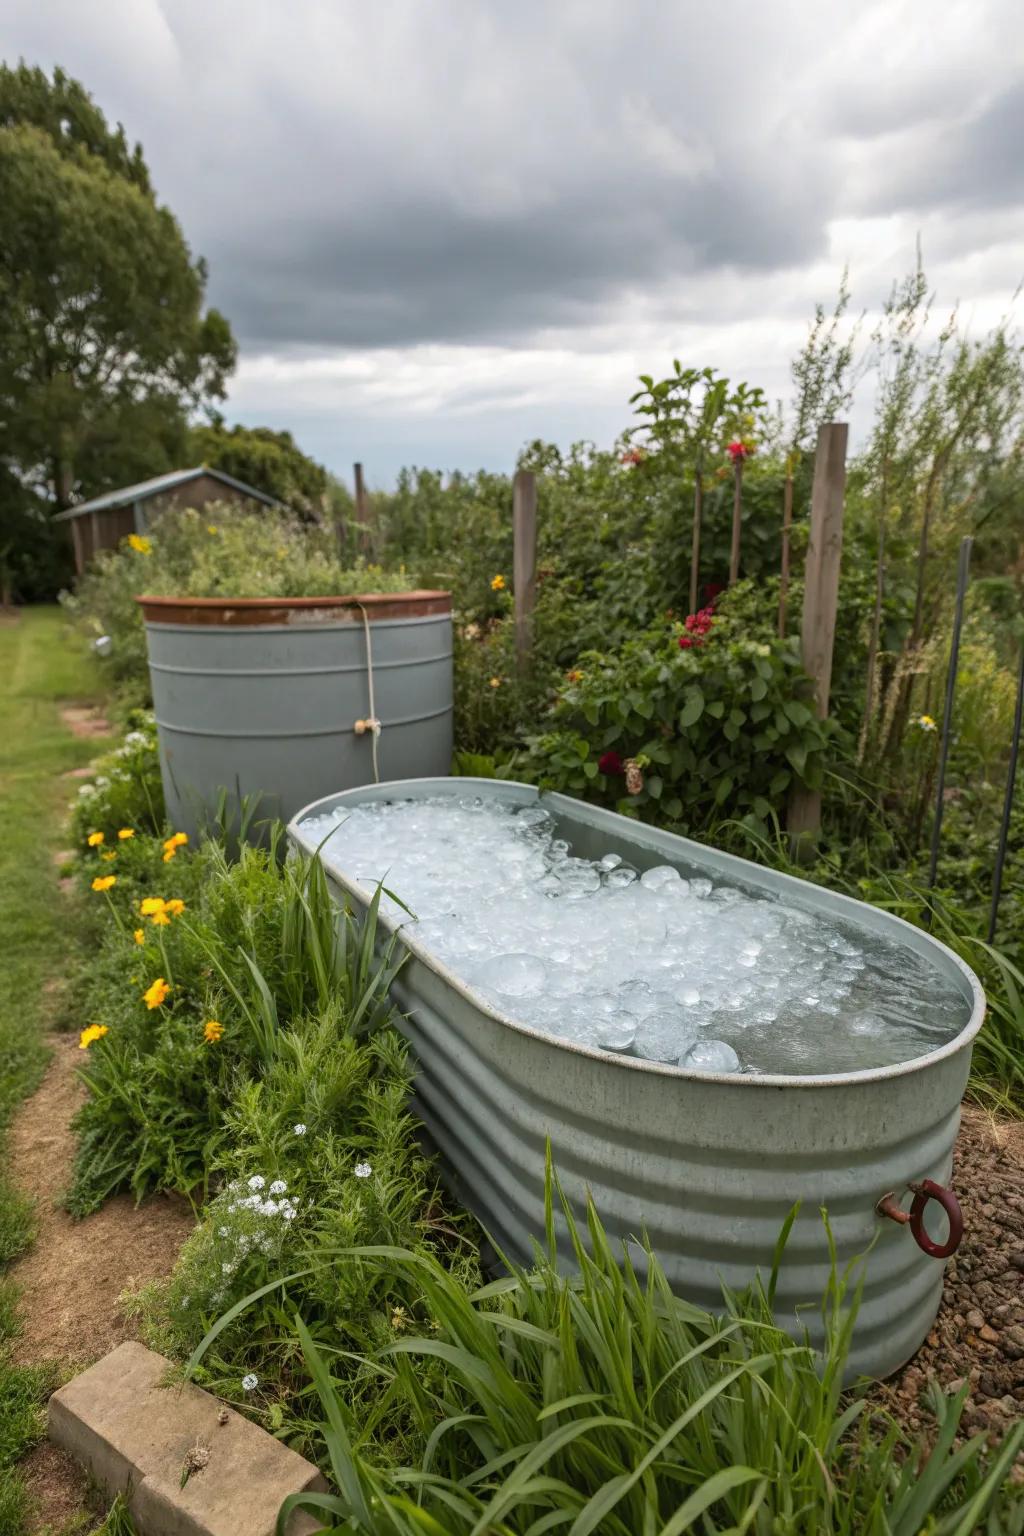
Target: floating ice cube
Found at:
x=710, y=1056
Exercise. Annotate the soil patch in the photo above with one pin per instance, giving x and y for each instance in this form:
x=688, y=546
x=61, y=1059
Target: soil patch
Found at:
x=58, y=1488
x=978, y=1335
x=71, y=1277
x=85, y=721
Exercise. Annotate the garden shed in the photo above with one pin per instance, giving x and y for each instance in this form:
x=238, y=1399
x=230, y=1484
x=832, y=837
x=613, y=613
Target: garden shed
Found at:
x=105, y=520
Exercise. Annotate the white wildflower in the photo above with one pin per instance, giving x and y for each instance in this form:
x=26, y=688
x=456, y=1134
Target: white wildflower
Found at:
x=184, y=1302
x=257, y=1181
x=299, y=1130
x=363, y=1170
x=87, y=789
x=269, y=1208
x=279, y=1187
x=102, y=783
x=289, y=1212
x=224, y=1231
x=250, y=1382
x=227, y=1269
x=244, y=1244
x=135, y=739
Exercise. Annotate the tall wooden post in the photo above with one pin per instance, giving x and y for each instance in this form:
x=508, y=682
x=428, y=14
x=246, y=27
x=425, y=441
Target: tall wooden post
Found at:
x=362, y=509
x=737, y=513
x=698, y=509
x=787, y=524
x=524, y=561
x=821, y=603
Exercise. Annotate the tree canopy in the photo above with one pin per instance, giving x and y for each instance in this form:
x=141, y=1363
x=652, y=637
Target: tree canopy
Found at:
x=105, y=342
x=268, y=460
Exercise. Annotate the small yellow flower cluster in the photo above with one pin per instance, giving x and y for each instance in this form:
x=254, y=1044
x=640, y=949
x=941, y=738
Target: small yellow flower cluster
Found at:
x=495, y=682
x=94, y=1032
x=173, y=843
x=211, y=528
x=125, y=833
x=497, y=584
x=140, y=935
x=156, y=994
x=925, y=723
x=104, y=882
x=95, y=839
x=159, y=912
x=140, y=545
x=110, y=854
x=212, y=1031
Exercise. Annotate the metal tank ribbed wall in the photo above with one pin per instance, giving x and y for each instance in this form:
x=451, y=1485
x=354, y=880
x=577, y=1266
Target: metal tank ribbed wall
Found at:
x=708, y=1166
x=260, y=697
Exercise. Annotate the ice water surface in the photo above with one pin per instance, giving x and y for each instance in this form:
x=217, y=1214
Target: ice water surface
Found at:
x=694, y=973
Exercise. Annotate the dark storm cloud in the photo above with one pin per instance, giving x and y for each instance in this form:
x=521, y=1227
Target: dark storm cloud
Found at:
x=460, y=170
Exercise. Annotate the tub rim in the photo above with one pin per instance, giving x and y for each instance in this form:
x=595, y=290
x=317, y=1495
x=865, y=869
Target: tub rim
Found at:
x=400, y=789
x=257, y=612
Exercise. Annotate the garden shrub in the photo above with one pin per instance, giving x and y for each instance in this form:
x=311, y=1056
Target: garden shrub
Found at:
x=223, y=551
x=717, y=723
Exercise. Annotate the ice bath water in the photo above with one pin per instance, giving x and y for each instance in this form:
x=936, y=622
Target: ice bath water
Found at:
x=664, y=964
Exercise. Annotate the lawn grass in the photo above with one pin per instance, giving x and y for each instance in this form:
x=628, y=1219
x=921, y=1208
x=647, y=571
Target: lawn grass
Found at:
x=41, y=666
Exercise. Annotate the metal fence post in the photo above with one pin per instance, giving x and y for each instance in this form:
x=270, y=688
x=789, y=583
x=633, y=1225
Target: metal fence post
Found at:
x=524, y=561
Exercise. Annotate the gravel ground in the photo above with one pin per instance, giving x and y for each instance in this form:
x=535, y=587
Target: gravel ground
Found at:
x=979, y=1333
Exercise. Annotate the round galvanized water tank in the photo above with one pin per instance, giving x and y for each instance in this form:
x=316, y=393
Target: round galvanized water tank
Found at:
x=269, y=697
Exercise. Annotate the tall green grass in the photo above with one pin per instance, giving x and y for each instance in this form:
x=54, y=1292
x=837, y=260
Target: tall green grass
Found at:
x=603, y=1403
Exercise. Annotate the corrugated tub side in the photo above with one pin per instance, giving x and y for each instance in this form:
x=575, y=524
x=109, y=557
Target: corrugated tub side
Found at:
x=708, y=1167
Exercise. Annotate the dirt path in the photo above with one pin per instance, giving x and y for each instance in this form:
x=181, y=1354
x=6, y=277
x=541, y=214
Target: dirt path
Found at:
x=73, y=1273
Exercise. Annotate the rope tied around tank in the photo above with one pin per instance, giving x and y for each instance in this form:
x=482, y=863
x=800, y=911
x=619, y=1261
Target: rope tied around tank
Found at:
x=371, y=723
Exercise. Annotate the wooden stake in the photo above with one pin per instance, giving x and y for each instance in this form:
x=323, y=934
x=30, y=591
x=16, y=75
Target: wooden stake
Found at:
x=698, y=509
x=524, y=561
x=787, y=523
x=362, y=509
x=737, y=511
x=821, y=604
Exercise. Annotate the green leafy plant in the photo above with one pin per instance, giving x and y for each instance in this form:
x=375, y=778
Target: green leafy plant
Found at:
x=722, y=726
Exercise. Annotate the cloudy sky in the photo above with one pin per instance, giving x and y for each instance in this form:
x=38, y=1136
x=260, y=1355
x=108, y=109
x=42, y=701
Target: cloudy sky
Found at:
x=443, y=227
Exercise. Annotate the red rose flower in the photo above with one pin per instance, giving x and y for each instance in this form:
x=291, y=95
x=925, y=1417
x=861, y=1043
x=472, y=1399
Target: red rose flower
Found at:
x=685, y=642
x=610, y=762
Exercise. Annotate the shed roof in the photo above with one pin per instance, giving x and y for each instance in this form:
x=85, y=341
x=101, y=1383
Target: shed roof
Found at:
x=157, y=487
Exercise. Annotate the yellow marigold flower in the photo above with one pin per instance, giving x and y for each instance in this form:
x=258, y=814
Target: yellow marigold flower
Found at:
x=575, y=676
x=95, y=839
x=104, y=882
x=211, y=528
x=140, y=935
x=94, y=1032
x=497, y=583
x=150, y=904
x=125, y=833
x=495, y=682
x=173, y=843
x=160, y=919
x=156, y=994
x=169, y=854
x=140, y=545
x=212, y=1031
x=175, y=906
x=110, y=854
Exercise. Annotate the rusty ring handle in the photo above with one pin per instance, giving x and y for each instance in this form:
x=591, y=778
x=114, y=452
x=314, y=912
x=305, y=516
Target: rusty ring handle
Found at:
x=927, y=1190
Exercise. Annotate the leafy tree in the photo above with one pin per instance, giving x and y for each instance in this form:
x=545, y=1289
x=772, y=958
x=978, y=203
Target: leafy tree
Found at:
x=105, y=345
x=270, y=461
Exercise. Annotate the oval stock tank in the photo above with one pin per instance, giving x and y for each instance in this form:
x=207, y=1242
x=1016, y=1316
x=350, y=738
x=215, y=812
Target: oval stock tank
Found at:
x=709, y=1166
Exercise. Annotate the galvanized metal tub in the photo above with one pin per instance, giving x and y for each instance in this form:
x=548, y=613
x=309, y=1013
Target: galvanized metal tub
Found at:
x=707, y=1165
x=265, y=696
